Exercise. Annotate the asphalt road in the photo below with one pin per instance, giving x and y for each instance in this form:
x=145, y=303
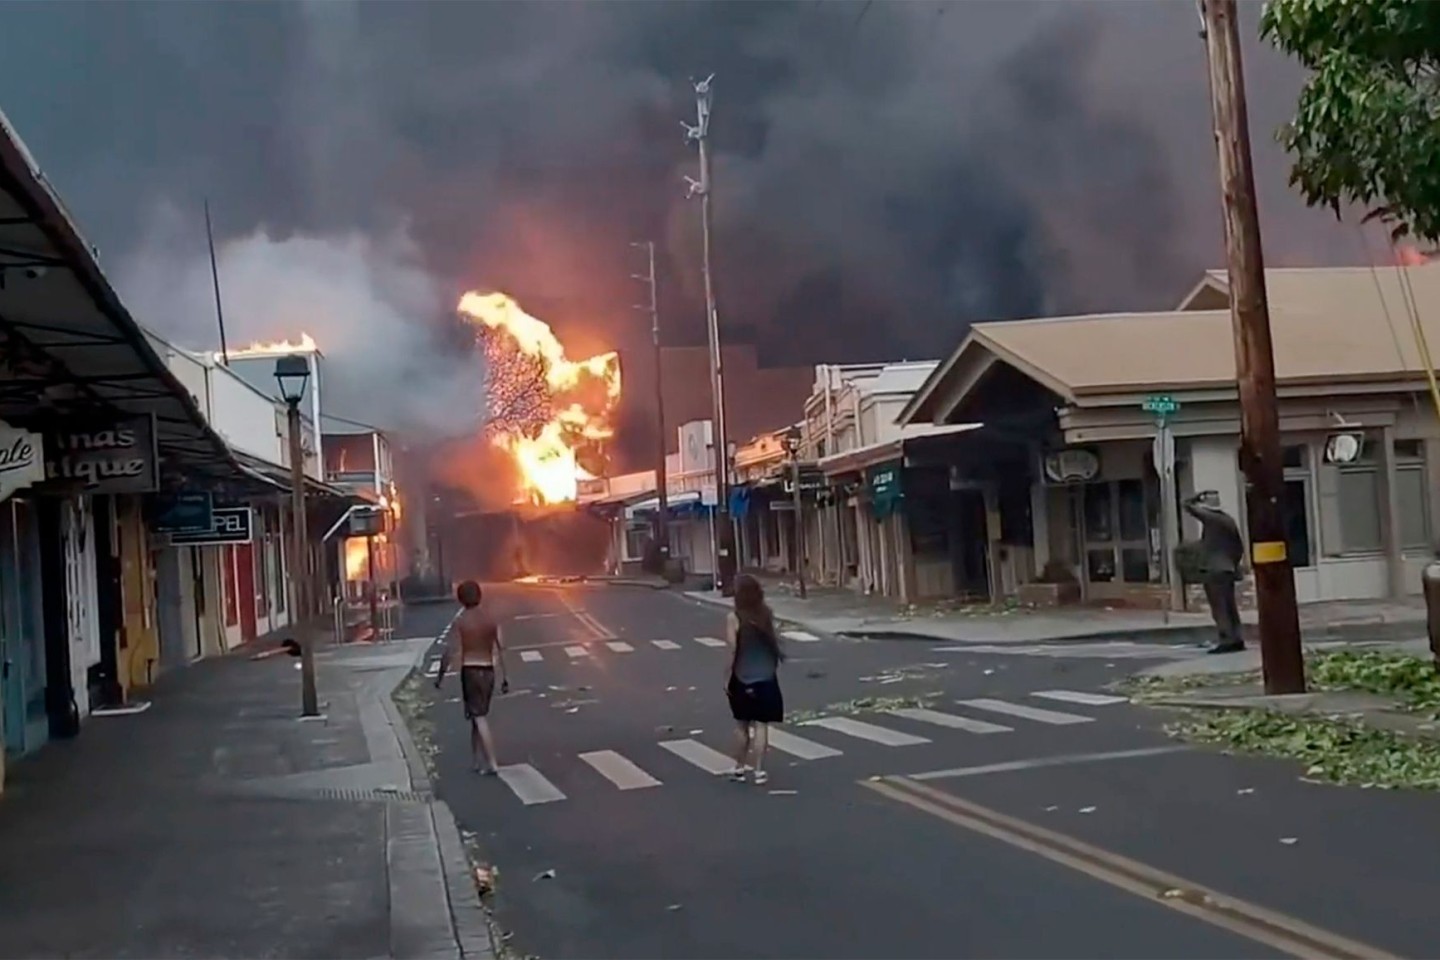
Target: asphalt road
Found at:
x=615, y=698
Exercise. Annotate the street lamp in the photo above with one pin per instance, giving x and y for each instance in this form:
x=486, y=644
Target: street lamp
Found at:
x=292, y=373
x=792, y=450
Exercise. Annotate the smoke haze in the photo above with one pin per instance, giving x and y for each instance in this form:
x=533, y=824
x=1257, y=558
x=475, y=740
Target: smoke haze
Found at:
x=885, y=174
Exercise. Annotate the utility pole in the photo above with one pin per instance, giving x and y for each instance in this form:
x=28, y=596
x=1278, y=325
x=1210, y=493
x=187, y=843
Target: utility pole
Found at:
x=724, y=531
x=662, y=515
x=1282, y=662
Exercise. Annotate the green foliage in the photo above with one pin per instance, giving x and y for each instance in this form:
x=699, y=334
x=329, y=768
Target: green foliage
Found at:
x=1367, y=127
x=1336, y=751
x=1411, y=680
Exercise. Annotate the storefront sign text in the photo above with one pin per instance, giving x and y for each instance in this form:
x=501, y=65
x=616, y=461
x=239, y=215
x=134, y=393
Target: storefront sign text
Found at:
x=116, y=458
x=227, y=525
x=22, y=459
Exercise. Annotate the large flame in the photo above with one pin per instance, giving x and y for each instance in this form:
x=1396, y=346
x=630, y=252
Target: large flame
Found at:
x=275, y=348
x=545, y=453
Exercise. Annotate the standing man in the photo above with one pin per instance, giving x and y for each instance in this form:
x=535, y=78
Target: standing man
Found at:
x=1224, y=552
x=475, y=636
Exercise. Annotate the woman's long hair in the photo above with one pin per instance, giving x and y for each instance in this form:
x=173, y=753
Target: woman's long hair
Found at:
x=752, y=610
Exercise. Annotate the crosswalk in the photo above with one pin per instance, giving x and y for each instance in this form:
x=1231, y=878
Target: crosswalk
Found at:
x=811, y=740
x=564, y=652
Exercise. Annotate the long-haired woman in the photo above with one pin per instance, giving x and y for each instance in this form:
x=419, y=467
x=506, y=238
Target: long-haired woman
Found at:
x=752, y=683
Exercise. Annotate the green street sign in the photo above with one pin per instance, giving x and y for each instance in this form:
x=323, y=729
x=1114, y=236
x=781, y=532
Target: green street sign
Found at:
x=1161, y=405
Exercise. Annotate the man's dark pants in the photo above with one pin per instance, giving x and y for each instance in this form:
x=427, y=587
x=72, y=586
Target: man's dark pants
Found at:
x=1220, y=594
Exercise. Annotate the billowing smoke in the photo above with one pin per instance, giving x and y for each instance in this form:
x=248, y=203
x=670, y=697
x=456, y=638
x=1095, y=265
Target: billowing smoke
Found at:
x=365, y=300
x=885, y=173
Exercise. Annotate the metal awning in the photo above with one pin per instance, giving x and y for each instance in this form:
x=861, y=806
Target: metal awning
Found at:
x=68, y=346
x=276, y=477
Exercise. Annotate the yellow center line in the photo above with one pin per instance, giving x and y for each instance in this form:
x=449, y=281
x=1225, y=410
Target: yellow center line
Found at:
x=1256, y=923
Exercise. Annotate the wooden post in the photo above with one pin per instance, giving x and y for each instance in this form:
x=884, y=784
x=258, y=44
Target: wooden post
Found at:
x=1282, y=662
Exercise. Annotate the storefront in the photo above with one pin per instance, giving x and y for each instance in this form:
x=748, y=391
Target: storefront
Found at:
x=1081, y=392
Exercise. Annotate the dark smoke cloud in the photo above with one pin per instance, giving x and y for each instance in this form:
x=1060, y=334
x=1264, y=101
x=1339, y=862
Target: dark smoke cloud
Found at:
x=881, y=180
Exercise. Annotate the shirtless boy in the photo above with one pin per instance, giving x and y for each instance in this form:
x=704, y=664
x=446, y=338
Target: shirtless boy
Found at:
x=475, y=637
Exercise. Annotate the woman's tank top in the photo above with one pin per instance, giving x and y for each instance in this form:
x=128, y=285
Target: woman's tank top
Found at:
x=755, y=662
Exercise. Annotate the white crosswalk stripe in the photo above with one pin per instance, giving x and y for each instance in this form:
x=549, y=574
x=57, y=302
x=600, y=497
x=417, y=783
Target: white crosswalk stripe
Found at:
x=620, y=646
x=867, y=731
x=1053, y=717
x=709, y=642
x=666, y=644
x=800, y=747
x=693, y=751
x=575, y=653
x=619, y=770
x=950, y=720
x=1080, y=697
x=800, y=636
x=531, y=656
x=529, y=784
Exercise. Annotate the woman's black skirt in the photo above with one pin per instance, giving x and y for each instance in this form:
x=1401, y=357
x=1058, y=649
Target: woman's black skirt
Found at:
x=756, y=702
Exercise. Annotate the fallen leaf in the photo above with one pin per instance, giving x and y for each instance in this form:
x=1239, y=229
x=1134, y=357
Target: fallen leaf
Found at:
x=696, y=733
x=782, y=793
x=671, y=689
x=673, y=906
x=1087, y=809
x=876, y=777
x=573, y=710
x=1243, y=791
x=1173, y=893
x=545, y=875
x=988, y=672
x=1289, y=841
x=1051, y=809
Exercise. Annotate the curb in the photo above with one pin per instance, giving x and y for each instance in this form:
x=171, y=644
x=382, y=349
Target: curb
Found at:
x=469, y=923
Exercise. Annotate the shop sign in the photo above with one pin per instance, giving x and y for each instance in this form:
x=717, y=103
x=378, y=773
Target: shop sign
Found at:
x=885, y=489
x=1075, y=465
x=183, y=513
x=116, y=458
x=227, y=525
x=22, y=459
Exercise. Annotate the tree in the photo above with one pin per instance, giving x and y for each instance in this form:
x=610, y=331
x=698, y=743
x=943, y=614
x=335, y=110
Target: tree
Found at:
x=1367, y=127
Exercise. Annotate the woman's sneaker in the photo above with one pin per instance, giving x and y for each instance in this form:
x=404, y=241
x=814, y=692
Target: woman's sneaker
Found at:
x=761, y=778
x=737, y=774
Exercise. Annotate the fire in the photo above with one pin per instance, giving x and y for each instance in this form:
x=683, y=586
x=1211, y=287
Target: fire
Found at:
x=547, y=410
x=357, y=559
x=275, y=348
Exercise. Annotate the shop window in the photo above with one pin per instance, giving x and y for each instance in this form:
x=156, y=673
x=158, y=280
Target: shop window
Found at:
x=636, y=536
x=1124, y=508
x=1359, y=502
x=1297, y=522
x=1414, y=506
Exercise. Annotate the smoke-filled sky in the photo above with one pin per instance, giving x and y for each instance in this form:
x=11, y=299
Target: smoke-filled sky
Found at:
x=885, y=173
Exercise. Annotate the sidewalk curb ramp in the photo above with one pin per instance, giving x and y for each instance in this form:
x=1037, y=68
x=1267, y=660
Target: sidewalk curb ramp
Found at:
x=469, y=920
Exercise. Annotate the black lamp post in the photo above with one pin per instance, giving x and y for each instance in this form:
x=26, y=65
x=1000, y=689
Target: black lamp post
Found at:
x=292, y=373
x=792, y=450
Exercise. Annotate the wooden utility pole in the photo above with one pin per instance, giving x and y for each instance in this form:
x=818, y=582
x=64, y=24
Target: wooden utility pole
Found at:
x=1282, y=662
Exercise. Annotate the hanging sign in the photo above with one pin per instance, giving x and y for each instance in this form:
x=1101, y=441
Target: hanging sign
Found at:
x=185, y=512
x=1075, y=465
x=116, y=458
x=22, y=459
x=227, y=525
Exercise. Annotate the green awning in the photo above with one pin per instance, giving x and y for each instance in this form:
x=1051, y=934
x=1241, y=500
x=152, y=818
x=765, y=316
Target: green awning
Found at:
x=886, y=492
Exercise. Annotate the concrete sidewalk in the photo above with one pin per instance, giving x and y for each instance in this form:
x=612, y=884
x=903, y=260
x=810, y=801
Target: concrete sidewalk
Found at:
x=217, y=824
x=842, y=612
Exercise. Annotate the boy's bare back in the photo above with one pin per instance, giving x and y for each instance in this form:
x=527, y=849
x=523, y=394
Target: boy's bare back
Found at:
x=478, y=635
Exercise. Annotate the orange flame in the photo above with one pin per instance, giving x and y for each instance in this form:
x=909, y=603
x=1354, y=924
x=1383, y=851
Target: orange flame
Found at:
x=275, y=348
x=546, y=461
x=357, y=559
